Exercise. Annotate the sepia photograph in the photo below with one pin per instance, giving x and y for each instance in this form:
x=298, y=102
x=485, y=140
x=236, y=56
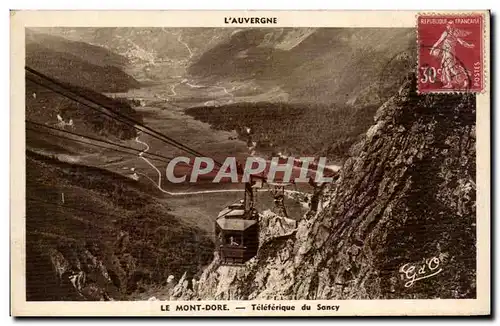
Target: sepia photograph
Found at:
x=247, y=163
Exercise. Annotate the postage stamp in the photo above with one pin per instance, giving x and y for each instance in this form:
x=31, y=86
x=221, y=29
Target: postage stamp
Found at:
x=250, y=163
x=451, y=53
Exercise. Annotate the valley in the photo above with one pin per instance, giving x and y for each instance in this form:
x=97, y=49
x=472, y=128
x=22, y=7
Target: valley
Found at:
x=217, y=91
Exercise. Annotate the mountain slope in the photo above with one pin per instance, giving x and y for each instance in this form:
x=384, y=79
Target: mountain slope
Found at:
x=146, y=45
x=155, y=53
x=90, y=66
x=93, y=54
x=407, y=196
x=106, y=240
x=328, y=65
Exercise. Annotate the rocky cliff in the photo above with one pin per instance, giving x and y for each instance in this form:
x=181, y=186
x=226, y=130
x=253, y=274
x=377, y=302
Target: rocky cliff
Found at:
x=403, y=208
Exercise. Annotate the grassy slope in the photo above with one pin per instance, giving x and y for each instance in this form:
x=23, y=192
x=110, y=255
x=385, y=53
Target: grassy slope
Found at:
x=135, y=237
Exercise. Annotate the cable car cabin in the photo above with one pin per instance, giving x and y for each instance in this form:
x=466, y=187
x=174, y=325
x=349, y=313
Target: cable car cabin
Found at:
x=237, y=234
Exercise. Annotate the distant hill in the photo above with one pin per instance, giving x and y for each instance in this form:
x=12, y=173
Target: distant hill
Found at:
x=78, y=63
x=336, y=78
x=153, y=54
x=328, y=65
x=91, y=53
x=146, y=45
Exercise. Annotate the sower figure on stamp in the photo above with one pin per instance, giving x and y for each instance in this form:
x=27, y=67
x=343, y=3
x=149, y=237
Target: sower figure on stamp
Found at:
x=452, y=73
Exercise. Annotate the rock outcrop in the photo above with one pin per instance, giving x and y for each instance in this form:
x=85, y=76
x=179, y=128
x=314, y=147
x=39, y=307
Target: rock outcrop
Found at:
x=405, y=198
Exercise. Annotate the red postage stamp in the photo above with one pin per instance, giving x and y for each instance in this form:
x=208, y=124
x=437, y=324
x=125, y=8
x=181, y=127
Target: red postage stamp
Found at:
x=450, y=57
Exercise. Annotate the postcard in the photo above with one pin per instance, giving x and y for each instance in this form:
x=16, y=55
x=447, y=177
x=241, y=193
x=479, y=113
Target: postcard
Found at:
x=250, y=163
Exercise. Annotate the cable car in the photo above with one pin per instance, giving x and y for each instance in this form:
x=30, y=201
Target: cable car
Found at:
x=237, y=229
x=237, y=225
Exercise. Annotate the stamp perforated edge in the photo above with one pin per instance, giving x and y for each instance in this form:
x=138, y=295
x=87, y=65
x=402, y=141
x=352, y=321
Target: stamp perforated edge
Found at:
x=484, y=15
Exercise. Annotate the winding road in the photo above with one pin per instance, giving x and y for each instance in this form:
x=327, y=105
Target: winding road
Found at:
x=185, y=44
x=158, y=184
x=191, y=54
x=185, y=193
x=172, y=89
x=204, y=86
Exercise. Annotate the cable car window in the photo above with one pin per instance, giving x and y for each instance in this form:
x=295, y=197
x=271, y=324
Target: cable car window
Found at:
x=233, y=240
